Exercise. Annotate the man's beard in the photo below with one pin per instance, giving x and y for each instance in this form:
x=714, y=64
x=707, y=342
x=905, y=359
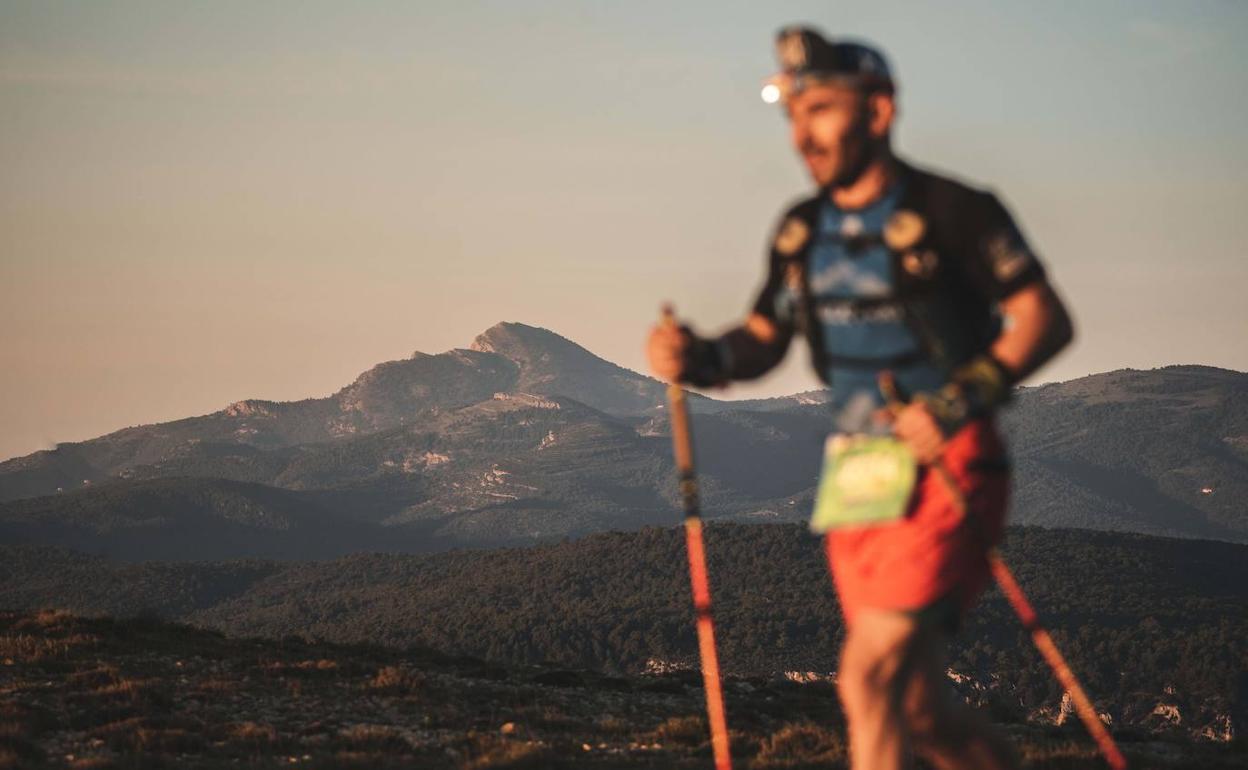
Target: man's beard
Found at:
x=858, y=157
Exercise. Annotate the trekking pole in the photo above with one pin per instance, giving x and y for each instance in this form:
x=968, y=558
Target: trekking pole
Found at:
x=1044, y=643
x=683, y=449
x=1022, y=607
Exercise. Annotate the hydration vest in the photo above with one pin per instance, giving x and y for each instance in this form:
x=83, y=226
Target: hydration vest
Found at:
x=934, y=236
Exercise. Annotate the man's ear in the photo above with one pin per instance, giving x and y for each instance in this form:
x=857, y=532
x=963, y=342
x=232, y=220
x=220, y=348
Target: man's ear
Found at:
x=881, y=109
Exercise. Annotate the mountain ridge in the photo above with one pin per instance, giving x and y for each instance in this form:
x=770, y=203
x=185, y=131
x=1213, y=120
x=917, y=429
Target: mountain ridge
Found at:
x=526, y=436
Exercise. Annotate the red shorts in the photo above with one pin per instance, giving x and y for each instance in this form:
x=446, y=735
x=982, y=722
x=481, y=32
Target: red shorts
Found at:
x=930, y=554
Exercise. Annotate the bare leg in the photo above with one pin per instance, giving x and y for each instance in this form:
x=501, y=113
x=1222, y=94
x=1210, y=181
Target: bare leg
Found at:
x=893, y=686
x=871, y=681
x=943, y=729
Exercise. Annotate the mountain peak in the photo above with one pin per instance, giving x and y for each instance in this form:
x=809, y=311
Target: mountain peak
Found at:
x=550, y=364
x=512, y=336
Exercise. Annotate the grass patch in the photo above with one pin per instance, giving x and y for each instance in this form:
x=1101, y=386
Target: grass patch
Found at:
x=685, y=731
x=151, y=735
x=802, y=745
x=381, y=738
x=497, y=753
x=252, y=734
x=395, y=680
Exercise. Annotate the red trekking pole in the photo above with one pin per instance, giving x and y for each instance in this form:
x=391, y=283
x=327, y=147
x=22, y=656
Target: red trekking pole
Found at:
x=1022, y=607
x=683, y=447
x=1044, y=643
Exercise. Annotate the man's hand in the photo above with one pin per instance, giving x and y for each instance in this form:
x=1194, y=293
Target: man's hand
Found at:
x=668, y=349
x=919, y=431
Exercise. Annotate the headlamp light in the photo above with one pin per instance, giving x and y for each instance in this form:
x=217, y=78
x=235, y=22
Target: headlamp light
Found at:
x=777, y=88
x=806, y=58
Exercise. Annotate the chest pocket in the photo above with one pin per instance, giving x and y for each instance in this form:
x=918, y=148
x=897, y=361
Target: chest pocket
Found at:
x=855, y=293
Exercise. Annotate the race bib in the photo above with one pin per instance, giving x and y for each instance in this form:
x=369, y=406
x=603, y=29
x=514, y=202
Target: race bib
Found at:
x=865, y=480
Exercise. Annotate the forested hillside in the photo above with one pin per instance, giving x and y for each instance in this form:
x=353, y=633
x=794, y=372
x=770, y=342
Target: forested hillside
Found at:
x=1147, y=621
x=1160, y=452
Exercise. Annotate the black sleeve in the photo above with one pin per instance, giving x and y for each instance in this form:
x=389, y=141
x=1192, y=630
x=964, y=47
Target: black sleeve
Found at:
x=773, y=300
x=758, y=345
x=999, y=262
x=777, y=299
x=746, y=357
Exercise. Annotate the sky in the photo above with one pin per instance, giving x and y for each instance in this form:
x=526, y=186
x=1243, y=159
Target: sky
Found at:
x=206, y=202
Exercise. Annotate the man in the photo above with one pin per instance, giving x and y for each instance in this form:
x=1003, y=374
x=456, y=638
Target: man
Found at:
x=910, y=288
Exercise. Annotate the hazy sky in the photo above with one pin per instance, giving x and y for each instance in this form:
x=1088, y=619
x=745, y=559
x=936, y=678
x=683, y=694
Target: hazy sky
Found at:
x=204, y=202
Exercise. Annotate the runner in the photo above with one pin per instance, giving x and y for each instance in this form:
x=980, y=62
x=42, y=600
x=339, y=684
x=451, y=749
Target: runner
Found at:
x=912, y=287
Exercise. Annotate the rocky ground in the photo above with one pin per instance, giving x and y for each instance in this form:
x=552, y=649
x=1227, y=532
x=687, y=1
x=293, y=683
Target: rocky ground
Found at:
x=102, y=693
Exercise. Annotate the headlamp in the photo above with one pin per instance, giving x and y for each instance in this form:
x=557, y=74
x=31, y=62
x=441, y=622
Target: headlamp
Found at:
x=807, y=58
x=777, y=88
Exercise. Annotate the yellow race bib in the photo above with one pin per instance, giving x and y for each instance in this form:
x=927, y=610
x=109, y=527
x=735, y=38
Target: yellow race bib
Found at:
x=865, y=480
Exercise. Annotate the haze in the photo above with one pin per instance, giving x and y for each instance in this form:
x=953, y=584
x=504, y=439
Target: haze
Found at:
x=208, y=202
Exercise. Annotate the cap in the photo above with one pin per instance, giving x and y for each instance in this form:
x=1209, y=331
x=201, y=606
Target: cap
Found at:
x=806, y=57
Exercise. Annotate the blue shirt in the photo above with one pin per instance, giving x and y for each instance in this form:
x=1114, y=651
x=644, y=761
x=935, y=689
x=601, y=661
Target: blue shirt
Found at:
x=852, y=285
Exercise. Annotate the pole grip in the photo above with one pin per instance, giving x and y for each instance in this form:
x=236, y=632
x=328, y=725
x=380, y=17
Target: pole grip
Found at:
x=682, y=442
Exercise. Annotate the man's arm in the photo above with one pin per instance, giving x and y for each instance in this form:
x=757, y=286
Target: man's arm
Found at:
x=754, y=348
x=1037, y=327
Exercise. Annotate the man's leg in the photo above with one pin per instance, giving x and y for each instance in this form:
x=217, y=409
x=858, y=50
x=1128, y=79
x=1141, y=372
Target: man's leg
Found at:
x=874, y=670
x=941, y=728
x=896, y=697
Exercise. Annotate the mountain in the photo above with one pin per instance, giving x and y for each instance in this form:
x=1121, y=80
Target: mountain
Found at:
x=389, y=395
x=513, y=469
x=242, y=439
x=1162, y=452
x=192, y=519
x=469, y=447
x=548, y=364
x=527, y=437
x=1156, y=628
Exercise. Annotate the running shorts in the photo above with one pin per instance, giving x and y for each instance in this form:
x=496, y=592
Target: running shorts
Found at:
x=930, y=555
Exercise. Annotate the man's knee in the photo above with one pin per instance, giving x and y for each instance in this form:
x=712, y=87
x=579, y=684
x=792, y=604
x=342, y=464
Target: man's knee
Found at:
x=870, y=677
x=877, y=659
